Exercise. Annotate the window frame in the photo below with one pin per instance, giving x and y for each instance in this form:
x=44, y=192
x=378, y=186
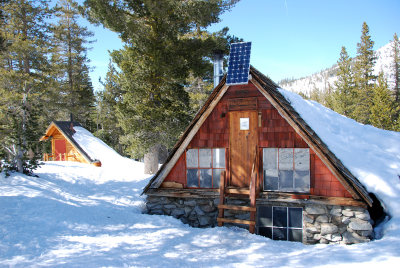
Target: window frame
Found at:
x=214, y=181
x=277, y=160
x=274, y=227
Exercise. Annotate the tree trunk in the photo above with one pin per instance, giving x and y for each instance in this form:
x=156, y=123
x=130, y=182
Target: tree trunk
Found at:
x=21, y=148
x=18, y=159
x=151, y=160
x=163, y=155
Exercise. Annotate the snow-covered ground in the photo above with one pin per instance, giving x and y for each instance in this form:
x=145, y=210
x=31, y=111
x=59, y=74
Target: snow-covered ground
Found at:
x=78, y=215
x=74, y=216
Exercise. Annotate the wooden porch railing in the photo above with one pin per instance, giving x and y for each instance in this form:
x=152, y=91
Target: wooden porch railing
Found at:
x=61, y=157
x=222, y=186
x=252, y=192
x=254, y=189
x=48, y=157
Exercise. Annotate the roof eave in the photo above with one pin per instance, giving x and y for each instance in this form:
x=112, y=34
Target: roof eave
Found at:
x=47, y=133
x=348, y=180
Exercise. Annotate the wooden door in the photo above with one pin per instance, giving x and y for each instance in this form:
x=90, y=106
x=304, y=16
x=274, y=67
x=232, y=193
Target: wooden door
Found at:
x=60, y=148
x=243, y=138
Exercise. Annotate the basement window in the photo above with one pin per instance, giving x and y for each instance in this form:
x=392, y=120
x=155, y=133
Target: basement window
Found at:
x=286, y=169
x=204, y=167
x=280, y=223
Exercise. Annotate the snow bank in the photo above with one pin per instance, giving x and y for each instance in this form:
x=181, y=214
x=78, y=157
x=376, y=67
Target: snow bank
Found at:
x=371, y=154
x=113, y=166
x=69, y=217
x=99, y=150
x=78, y=215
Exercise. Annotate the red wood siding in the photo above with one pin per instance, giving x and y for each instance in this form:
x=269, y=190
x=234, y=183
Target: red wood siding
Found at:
x=274, y=132
x=323, y=182
x=215, y=130
x=178, y=172
x=60, y=149
x=58, y=140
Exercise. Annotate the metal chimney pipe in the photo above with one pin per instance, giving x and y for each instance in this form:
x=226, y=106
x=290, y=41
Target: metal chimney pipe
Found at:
x=71, y=124
x=218, y=67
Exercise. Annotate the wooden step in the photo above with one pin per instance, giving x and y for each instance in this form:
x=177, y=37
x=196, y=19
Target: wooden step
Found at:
x=236, y=221
x=236, y=190
x=241, y=208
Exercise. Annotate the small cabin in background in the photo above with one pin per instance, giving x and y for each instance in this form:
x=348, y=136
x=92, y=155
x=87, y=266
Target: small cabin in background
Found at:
x=249, y=159
x=63, y=145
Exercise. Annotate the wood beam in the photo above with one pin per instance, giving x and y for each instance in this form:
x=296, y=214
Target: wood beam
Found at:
x=237, y=221
x=239, y=208
x=264, y=197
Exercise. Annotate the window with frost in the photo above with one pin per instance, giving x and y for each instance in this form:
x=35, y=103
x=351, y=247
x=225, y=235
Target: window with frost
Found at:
x=204, y=167
x=286, y=169
x=280, y=223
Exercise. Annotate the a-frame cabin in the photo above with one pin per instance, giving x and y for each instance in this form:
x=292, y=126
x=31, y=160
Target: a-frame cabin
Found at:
x=248, y=158
x=64, y=147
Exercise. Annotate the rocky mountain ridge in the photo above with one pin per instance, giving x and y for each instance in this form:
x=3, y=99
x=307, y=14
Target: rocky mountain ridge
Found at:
x=324, y=80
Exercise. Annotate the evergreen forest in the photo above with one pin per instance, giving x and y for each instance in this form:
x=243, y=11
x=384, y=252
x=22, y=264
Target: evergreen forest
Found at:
x=152, y=89
x=360, y=94
x=154, y=85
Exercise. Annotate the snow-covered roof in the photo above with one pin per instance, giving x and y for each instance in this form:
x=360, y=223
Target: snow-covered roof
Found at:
x=371, y=154
x=94, y=147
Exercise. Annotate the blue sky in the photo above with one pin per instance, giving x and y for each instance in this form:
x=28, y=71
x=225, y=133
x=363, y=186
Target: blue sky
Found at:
x=290, y=38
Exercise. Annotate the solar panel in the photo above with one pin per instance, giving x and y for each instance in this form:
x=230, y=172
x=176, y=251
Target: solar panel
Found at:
x=239, y=64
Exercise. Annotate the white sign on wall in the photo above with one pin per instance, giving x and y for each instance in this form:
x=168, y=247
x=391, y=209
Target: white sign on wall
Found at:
x=244, y=123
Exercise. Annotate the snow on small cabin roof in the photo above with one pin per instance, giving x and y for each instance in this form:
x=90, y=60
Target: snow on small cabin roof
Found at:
x=371, y=154
x=94, y=147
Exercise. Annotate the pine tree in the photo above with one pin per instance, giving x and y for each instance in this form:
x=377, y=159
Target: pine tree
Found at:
x=108, y=129
x=165, y=42
x=2, y=38
x=153, y=110
x=23, y=81
x=198, y=89
x=70, y=63
x=396, y=67
x=327, y=97
x=343, y=95
x=316, y=95
x=364, y=78
x=382, y=109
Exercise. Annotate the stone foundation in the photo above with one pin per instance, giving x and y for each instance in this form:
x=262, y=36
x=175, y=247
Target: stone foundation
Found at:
x=321, y=223
x=336, y=224
x=197, y=212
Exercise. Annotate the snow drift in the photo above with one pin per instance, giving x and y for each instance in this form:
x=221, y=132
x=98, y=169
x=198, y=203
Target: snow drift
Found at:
x=76, y=215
